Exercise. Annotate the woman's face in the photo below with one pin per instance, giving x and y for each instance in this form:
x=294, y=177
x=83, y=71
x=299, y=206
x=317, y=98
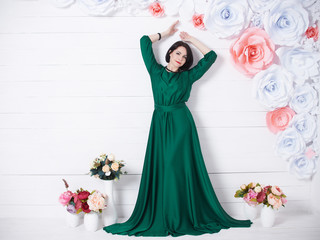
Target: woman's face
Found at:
x=178, y=57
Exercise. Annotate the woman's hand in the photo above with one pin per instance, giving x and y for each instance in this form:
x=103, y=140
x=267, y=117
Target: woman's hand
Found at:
x=185, y=36
x=172, y=29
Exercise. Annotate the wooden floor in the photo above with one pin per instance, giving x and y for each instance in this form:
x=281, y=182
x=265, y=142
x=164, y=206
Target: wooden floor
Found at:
x=293, y=225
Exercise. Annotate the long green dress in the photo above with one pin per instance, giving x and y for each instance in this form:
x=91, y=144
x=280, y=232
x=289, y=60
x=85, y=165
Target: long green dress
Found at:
x=175, y=194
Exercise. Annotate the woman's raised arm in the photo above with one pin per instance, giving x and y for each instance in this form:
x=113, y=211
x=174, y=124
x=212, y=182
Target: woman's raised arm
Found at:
x=188, y=38
x=170, y=31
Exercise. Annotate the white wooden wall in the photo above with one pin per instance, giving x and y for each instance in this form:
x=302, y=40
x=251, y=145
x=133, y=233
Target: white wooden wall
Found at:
x=74, y=86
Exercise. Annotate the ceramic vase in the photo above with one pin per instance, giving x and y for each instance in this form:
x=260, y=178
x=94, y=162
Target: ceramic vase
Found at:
x=109, y=214
x=91, y=221
x=73, y=219
x=250, y=212
x=268, y=216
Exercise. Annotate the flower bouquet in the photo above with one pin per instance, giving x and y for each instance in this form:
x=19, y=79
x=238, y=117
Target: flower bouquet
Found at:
x=252, y=193
x=274, y=197
x=106, y=167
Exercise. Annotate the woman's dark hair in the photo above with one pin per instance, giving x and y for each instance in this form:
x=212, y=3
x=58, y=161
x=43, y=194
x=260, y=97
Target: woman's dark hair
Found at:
x=189, y=59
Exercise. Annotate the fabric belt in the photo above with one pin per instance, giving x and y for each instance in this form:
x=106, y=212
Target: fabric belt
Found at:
x=170, y=107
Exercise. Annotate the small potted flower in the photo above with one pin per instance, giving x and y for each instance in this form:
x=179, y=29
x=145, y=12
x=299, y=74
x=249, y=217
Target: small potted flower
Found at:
x=253, y=195
x=95, y=203
x=68, y=199
x=105, y=167
x=275, y=198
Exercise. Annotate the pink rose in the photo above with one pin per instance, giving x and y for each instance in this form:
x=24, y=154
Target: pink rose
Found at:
x=85, y=207
x=274, y=201
x=284, y=200
x=253, y=51
x=261, y=197
x=279, y=119
x=96, y=201
x=197, y=21
x=313, y=32
x=156, y=9
x=65, y=198
x=276, y=190
x=249, y=196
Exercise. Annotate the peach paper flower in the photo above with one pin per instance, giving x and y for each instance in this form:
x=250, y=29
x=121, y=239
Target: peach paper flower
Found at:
x=253, y=51
x=156, y=9
x=279, y=119
x=197, y=21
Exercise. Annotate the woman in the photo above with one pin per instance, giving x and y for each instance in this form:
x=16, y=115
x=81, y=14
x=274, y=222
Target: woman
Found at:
x=175, y=194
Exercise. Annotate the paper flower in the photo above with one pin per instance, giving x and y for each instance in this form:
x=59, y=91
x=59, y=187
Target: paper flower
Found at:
x=98, y=7
x=289, y=143
x=302, y=166
x=171, y=6
x=262, y=5
x=197, y=21
x=312, y=32
x=273, y=87
x=286, y=23
x=227, y=18
x=135, y=6
x=279, y=119
x=252, y=52
x=302, y=63
x=156, y=9
x=306, y=125
x=304, y=99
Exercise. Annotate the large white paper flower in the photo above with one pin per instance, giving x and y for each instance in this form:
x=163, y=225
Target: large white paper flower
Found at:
x=304, y=99
x=302, y=166
x=273, y=87
x=286, y=22
x=289, y=143
x=305, y=124
x=134, y=7
x=98, y=7
x=302, y=63
x=227, y=18
x=262, y=5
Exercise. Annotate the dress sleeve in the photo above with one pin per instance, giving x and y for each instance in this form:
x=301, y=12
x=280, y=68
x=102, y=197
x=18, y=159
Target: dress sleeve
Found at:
x=203, y=65
x=148, y=55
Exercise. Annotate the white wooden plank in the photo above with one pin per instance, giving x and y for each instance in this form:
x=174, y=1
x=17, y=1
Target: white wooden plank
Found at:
x=224, y=149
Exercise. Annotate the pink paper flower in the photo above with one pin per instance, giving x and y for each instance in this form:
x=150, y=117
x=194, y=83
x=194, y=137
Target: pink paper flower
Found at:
x=156, y=9
x=253, y=51
x=197, y=21
x=65, y=198
x=312, y=32
x=279, y=119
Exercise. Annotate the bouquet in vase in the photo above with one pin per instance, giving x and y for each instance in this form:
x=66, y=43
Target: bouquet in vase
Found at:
x=274, y=197
x=252, y=193
x=106, y=167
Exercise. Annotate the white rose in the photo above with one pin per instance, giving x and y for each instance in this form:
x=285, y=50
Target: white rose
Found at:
x=243, y=186
x=286, y=22
x=111, y=157
x=302, y=166
x=273, y=87
x=289, y=142
x=257, y=189
x=262, y=5
x=306, y=125
x=227, y=18
x=304, y=99
x=302, y=63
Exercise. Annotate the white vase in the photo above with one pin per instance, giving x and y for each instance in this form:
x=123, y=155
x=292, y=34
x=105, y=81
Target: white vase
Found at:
x=73, y=219
x=109, y=214
x=268, y=216
x=250, y=212
x=91, y=221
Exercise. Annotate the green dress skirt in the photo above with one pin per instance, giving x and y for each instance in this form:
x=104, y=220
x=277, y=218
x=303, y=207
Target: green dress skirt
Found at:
x=175, y=194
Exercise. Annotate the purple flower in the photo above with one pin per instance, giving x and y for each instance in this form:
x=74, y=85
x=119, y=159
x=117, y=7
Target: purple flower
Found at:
x=71, y=208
